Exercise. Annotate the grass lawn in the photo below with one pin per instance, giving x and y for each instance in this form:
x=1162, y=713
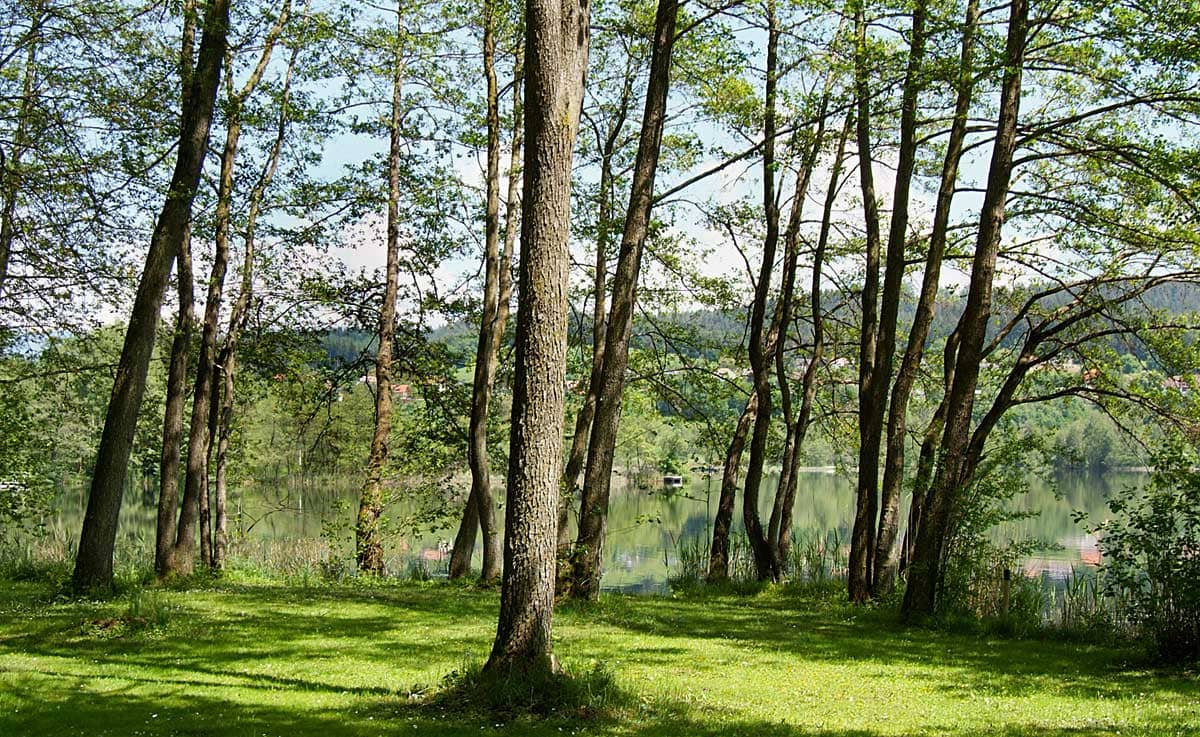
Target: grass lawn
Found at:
x=256, y=660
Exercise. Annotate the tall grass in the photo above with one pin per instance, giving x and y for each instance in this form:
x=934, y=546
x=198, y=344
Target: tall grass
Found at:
x=815, y=557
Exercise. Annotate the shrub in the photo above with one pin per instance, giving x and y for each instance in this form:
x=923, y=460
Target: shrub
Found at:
x=1151, y=549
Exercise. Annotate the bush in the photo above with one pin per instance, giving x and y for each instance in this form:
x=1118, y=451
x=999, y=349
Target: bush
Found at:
x=1151, y=549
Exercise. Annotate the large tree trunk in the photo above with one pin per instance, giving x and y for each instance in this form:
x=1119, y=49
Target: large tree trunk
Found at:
x=593, y=507
x=897, y=426
x=870, y=416
x=556, y=46
x=368, y=539
x=480, y=508
x=927, y=566
x=93, y=564
x=718, y=552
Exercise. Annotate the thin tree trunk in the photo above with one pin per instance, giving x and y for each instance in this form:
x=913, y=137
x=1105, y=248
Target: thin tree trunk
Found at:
x=238, y=316
x=765, y=563
x=10, y=169
x=491, y=331
x=172, y=435
x=870, y=417
x=786, y=488
x=93, y=564
x=605, y=214
x=556, y=45
x=593, y=508
x=368, y=540
x=196, y=501
x=889, y=310
x=718, y=552
x=927, y=567
x=927, y=460
x=799, y=429
x=893, y=471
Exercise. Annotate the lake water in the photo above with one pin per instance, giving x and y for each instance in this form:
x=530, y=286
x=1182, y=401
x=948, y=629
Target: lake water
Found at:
x=646, y=526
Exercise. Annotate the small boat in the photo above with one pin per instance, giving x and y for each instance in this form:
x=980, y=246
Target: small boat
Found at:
x=672, y=482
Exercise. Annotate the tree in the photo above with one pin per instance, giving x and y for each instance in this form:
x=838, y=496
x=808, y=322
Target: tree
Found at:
x=195, y=510
x=497, y=294
x=93, y=564
x=556, y=45
x=593, y=516
x=919, y=597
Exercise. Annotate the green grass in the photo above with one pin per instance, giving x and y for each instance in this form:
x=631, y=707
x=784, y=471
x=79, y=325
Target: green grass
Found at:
x=259, y=659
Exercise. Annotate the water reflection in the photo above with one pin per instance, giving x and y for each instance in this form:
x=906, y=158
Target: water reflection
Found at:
x=647, y=526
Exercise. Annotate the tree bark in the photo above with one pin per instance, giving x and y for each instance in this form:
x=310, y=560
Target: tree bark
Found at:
x=897, y=425
x=888, y=505
x=172, y=436
x=368, y=539
x=93, y=564
x=927, y=566
x=556, y=46
x=593, y=507
x=10, y=167
x=605, y=215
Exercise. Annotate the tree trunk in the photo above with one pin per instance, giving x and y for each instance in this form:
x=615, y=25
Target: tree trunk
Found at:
x=893, y=471
x=884, y=536
x=196, y=499
x=10, y=168
x=172, y=435
x=93, y=564
x=927, y=566
x=799, y=429
x=368, y=540
x=765, y=563
x=605, y=215
x=718, y=552
x=793, y=442
x=593, y=507
x=870, y=416
x=556, y=45
x=481, y=509
x=237, y=320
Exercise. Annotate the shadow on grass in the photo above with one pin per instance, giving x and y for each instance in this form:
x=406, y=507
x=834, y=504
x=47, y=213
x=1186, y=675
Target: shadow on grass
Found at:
x=838, y=632
x=280, y=660
x=190, y=714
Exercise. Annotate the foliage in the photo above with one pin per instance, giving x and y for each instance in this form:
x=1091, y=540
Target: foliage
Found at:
x=1151, y=547
x=26, y=492
x=976, y=560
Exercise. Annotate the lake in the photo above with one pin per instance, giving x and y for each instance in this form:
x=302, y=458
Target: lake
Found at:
x=646, y=526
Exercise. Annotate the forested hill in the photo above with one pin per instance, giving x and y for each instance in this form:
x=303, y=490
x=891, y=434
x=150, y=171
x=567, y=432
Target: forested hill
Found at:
x=704, y=333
